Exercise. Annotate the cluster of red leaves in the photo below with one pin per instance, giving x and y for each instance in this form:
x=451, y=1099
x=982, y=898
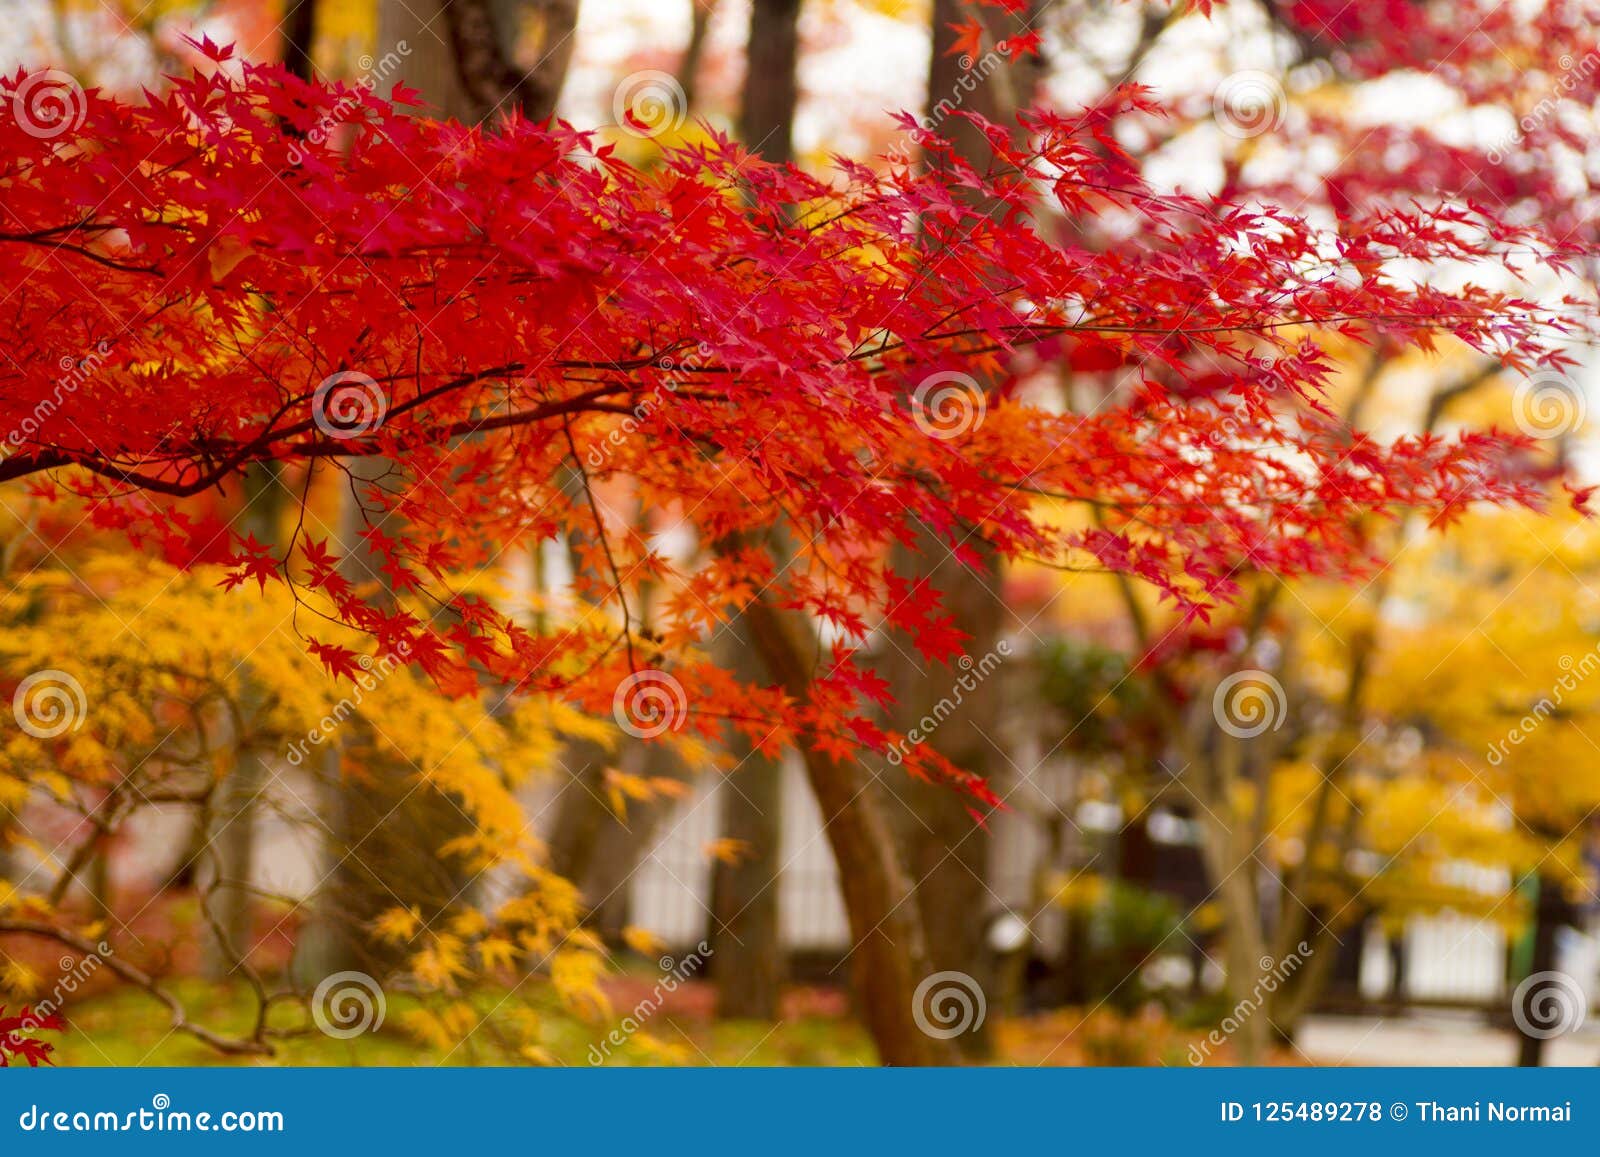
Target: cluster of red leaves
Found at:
x=17, y=1042
x=969, y=39
x=554, y=339
x=1450, y=39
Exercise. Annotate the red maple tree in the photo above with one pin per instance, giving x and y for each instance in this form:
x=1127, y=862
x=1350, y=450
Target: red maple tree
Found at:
x=542, y=340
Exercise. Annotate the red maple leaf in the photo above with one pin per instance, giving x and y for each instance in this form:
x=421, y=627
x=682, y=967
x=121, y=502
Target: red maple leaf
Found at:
x=16, y=1041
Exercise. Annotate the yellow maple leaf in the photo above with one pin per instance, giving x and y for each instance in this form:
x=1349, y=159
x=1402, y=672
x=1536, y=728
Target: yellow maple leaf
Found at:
x=397, y=925
x=727, y=851
x=643, y=941
x=496, y=952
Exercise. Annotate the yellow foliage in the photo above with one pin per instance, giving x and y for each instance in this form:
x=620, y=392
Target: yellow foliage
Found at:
x=643, y=941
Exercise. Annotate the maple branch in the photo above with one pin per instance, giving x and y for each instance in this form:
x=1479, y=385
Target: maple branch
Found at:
x=256, y=1045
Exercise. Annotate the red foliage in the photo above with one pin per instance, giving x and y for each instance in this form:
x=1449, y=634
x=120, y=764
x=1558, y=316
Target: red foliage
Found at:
x=17, y=1042
x=538, y=334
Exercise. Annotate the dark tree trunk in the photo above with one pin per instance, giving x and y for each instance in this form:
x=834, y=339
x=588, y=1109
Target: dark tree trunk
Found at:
x=582, y=814
x=228, y=857
x=748, y=960
x=946, y=849
x=1551, y=911
x=482, y=36
x=948, y=852
x=748, y=965
x=223, y=843
x=771, y=82
x=694, y=52
x=889, y=956
x=299, y=38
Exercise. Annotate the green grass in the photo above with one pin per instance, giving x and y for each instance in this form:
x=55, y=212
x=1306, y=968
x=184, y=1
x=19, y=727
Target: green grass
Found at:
x=126, y=1027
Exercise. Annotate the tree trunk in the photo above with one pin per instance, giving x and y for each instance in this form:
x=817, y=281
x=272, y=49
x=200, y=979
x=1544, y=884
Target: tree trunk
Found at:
x=227, y=863
x=771, y=81
x=1551, y=911
x=589, y=844
x=748, y=960
x=385, y=827
x=582, y=814
x=889, y=956
x=225, y=867
x=386, y=830
x=299, y=38
x=474, y=76
x=430, y=66
x=748, y=965
x=946, y=849
x=1244, y=941
x=227, y=826
x=948, y=852
x=700, y=13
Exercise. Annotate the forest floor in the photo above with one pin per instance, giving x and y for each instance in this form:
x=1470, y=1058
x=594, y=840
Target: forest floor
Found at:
x=124, y=1027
